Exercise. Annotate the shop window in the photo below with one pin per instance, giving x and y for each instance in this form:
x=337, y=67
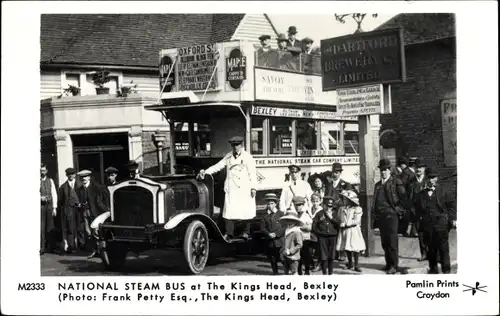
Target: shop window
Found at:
x=281, y=136
x=330, y=136
x=351, y=138
x=306, y=135
x=257, y=136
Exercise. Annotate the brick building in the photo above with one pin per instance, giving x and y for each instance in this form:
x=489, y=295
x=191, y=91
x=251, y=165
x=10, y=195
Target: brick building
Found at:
x=95, y=131
x=423, y=119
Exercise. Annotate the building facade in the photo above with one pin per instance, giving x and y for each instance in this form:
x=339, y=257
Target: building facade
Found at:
x=95, y=131
x=424, y=109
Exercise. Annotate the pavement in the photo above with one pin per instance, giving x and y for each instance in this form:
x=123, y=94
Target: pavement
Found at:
x=159, y=262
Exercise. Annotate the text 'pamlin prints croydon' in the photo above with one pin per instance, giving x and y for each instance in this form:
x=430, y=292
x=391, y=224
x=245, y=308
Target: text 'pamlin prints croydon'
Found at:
x=204, y=291
x=426, y=288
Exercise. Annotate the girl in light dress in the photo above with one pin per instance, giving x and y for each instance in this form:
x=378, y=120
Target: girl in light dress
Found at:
x=350, y=238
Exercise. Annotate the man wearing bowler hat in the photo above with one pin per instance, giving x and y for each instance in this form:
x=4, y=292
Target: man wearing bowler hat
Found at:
x=390, y=203
x=407, y=177
x=415, y=188
x=68, y=206
x=133, y=169
x=295, y=186
x=111, y=173
x=292, y=38
x=437, y=209
x=338, y=185
x=239, y=187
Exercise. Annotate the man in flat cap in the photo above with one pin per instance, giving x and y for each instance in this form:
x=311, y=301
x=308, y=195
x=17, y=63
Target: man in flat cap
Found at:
x=133, y=169
x=68, y=206
x=266, y=56
x=307, y=46
x=111, y=173
x=48, y=210
x=265, y=42
x=239, y=187
x=437, y=209
x=292, y=38
x=390, y=203
x=93, y=202
x=294, y=187
x=415, y=188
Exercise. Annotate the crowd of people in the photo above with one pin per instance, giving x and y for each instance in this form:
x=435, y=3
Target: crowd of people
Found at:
x=292, y=53
x=67, y=212
x=308, y=227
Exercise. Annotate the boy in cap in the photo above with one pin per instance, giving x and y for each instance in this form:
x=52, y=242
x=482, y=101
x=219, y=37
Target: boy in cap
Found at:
x=306, y=251
x=133, y=169
x=316, y=206
x=48, y=209
x=325, y=226
x=390, y=204
x=437, y=208
x=240, y=186
x=290, y=252
x=68, y=204
x=93, y=202
x=295, y=186
x=272, y=231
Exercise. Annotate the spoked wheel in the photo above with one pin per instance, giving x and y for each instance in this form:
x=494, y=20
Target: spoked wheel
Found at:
x=114, y=256
x=196, y=247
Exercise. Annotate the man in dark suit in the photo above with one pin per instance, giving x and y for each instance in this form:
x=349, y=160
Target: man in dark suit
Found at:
x=437, y=209
x=414, y=188
x=292, y=38
x=407, y=177
x=266, y=56
x=112, y=174
x=93, y=202
x=48, y=211
x=390, y=203
x=68, y=206
x=338, y=185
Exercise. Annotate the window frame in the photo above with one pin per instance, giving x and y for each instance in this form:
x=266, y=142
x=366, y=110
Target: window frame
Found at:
x=84, y=87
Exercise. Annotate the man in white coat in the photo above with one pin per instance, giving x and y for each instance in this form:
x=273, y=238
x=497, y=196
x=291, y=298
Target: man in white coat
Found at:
x=295, y=187
x=239, y=187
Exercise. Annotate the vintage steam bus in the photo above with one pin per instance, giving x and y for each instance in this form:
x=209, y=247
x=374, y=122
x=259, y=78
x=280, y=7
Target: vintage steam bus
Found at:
x=274, y=99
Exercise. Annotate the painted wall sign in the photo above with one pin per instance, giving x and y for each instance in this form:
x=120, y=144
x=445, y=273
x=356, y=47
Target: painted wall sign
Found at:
x=236, y=68
x=303, y=161
x=363, y=59
x=166, y=63
x=195, y=67
x=317, y=152
x=449, y=130
x=364, y=100
x=298, y=113
x=274, y=85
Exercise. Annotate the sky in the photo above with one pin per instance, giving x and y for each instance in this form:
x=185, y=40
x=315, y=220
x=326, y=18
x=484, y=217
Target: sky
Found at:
x=320, y=27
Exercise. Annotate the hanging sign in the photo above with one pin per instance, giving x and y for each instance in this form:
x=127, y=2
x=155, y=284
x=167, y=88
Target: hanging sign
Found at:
x=167, y=58
x=196, y=65
x=366, y=100
x=363, y=59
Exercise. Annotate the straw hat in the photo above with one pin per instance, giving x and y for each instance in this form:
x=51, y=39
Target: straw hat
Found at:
x=292, y=216
x=351, y=196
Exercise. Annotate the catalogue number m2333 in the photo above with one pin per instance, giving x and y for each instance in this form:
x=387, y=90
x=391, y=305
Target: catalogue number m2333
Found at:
x=31, y=286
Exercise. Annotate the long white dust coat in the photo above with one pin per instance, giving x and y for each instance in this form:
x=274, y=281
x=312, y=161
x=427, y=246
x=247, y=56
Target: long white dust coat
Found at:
x=241, y=177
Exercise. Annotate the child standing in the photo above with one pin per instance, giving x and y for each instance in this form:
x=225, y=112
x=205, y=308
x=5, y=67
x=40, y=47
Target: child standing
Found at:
x=307, y=247
x=272, y=231
x=325, y=226
x=350, y=237
x=290, y=251
x=316, y=207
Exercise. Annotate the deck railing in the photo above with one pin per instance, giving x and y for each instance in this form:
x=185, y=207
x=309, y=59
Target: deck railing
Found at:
x=283, y=60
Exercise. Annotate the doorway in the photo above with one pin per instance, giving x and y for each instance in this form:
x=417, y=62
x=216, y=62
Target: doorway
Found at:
x=96, y=152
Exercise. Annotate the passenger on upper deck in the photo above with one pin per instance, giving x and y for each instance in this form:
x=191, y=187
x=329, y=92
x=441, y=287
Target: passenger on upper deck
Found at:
x=264, y=41
x=307, y=47
x=292, y=38
x=283, y=42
